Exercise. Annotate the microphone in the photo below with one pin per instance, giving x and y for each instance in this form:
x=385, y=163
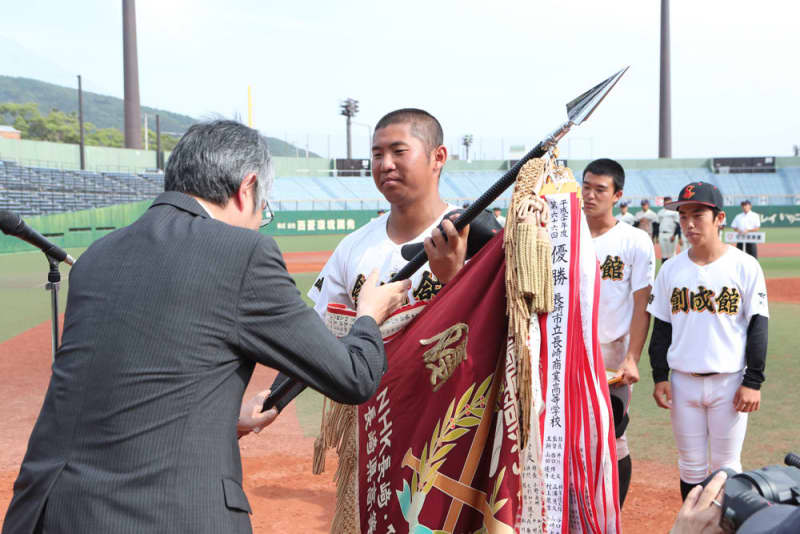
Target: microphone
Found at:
x=12, y=224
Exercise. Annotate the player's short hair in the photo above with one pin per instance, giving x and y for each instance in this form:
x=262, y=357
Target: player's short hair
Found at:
x=608, y=167
x=424, y=126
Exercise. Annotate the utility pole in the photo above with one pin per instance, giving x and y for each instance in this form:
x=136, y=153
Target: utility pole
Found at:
x=133, y=125
x=159, y=154
x=80, y=123
x=349, y=108
x=665, y=97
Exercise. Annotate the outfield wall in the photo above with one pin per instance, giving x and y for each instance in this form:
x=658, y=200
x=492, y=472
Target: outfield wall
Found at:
x=66, y=156
x=82, y=228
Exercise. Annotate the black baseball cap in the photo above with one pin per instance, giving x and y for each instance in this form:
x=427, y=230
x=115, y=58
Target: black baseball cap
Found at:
x=698, y=193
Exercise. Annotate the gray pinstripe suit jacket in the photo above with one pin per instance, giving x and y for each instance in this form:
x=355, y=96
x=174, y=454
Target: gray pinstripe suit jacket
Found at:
x=165, y=321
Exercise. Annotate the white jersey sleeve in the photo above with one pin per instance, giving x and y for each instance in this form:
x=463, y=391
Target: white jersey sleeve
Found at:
x=643, y=270
x=755, y=289
x=659, y=298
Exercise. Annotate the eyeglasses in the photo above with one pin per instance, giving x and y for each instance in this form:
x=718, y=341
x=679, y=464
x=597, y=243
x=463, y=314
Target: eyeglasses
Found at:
x=267, y=215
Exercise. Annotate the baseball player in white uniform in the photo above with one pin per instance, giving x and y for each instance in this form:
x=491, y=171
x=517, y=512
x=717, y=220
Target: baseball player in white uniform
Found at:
x=408, y=155
x=627, y=268
x=646, y=218
x=668, y=231
x=744, y=223
x=710, y=329
x=624, y=215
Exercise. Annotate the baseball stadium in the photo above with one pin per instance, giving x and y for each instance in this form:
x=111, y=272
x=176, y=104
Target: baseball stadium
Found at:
x=73, y=190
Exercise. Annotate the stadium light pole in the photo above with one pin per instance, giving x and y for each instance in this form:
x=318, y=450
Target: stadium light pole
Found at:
x=467, y=142
x=349, y=108
x=80, y=123
x=665, y=96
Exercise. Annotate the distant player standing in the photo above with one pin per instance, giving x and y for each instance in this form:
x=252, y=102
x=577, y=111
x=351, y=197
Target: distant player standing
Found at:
x=627, y=268
x=624, y=215
x=646, y=218
x=668, y=230
x=746, y=222
x=711, y=317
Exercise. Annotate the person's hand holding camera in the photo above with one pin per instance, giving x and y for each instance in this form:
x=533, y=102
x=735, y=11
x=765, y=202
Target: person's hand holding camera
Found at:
x=702, y=510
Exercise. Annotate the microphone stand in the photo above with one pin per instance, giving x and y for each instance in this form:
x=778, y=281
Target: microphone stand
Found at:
x=53, y=284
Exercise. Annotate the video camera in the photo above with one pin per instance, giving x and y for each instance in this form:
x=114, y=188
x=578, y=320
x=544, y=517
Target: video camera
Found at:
x=748, y=495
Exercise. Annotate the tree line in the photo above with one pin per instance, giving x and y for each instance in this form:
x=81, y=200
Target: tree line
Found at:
x=61, y=127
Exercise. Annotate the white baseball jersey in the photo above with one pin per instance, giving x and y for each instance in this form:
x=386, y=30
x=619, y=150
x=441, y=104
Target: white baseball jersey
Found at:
x=746, y=221
x=710, y=308
x=358, y=254
x=627, y=218
x=627, y=264
x=646, y=220
x=668, y=221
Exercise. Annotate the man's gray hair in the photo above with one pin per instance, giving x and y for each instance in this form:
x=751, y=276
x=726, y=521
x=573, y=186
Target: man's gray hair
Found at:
x=212, y=158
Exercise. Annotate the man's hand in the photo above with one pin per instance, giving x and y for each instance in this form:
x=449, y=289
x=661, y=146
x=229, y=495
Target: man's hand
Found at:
x=662, y=393
x=446, y=258
x=699, y=514
x=251, y=418
x=747, y=399
x=672, y=239
x=379, y=301
x=628, y=372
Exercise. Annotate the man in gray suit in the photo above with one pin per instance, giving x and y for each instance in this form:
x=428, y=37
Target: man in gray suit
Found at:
x=165, y=321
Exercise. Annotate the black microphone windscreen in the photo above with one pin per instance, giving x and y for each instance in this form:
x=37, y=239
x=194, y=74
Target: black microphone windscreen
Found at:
x=10, y=222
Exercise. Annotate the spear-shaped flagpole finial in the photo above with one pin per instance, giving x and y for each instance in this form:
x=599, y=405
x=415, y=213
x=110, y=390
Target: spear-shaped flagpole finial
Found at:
x=579, y=108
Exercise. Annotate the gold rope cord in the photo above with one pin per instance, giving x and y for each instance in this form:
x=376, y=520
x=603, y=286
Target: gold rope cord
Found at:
x=529, y=278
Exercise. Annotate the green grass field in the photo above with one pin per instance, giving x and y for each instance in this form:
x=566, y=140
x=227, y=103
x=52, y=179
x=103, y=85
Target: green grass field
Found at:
x=771, y=432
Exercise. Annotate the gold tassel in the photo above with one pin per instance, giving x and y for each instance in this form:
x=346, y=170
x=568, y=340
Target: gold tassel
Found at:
x=529, y=278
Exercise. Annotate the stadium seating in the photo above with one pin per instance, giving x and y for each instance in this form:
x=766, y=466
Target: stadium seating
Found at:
x=40, y=190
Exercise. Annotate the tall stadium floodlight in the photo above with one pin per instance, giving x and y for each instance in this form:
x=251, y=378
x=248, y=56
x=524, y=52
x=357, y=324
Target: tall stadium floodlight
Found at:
x=349, y=108
x=133, y=125
x=665, y=96
x=467, y=142
x=80, y=123
x=578, y=110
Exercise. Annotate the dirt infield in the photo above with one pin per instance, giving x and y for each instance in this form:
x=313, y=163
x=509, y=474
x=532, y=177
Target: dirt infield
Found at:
x=783, y=289
x=305, y=262
x=283, y=493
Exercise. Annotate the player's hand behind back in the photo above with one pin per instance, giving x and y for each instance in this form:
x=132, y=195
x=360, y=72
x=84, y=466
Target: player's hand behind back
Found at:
x=380, y=301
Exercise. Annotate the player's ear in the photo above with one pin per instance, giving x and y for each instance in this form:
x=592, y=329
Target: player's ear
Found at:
x=439, y=157
x=617, y=195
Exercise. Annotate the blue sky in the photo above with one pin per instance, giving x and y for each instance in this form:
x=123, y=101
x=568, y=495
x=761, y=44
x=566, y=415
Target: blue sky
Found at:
x=500, y=70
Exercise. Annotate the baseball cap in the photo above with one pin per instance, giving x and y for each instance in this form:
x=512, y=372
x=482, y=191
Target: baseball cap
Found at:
x=698, y=193
x=746, y=201
x=623, y=203
x=645, y=201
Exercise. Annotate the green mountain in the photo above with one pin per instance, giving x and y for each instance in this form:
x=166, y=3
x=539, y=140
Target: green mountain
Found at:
x=104, y=111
